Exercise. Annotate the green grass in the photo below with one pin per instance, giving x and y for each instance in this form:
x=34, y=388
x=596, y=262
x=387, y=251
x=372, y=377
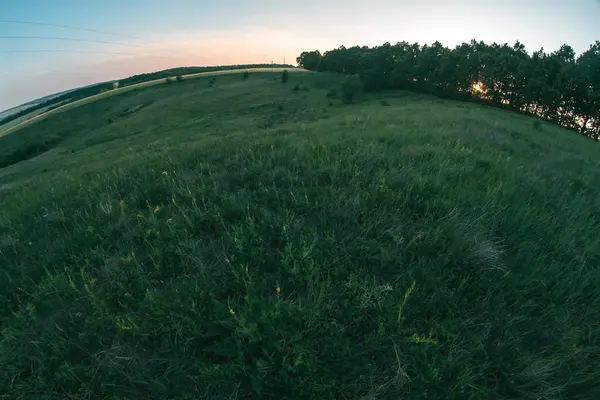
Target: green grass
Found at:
x=241, y=239
x=42, y=113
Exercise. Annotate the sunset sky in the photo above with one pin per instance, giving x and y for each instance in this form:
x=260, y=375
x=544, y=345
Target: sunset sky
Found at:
x=154, y=35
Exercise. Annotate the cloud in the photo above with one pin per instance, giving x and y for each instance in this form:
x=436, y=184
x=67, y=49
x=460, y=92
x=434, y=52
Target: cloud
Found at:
x=285, y=30
x=185, y=48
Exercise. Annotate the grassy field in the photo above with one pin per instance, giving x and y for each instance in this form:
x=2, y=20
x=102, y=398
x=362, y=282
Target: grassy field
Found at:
x=37, y=115
x=241, y=239
x=13, y=125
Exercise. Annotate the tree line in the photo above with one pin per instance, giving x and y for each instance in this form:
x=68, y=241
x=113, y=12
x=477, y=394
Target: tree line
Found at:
x=559, y=87
x=167, y=73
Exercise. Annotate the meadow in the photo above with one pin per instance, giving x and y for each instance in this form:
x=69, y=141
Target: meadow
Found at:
x=230, y=238
x=86, y=95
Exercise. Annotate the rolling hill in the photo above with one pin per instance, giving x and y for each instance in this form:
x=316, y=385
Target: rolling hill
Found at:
x=222, y=237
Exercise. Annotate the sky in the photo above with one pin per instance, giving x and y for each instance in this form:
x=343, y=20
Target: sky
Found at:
x=148, y=35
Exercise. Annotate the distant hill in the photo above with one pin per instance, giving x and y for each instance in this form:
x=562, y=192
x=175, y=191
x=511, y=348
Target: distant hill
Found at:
x=14, y=110
x=63, y=97
x=51, y=96
x=132, y=80
x=90, y=90
x=27, y=106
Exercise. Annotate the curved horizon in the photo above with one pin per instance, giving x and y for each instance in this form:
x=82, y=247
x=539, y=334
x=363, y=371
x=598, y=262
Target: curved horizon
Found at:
x=234, y=32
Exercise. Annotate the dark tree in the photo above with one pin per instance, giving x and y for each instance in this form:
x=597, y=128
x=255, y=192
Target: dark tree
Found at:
x=285, y=76
x=557, y=87
x=350, y=88
x=246, y=75
x=310, y=60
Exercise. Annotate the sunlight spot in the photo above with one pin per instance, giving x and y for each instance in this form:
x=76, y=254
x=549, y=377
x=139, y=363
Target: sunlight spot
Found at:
x=478, y=87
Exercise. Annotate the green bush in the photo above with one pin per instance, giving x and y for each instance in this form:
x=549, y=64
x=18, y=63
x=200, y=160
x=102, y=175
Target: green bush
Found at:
x=29, y=151
x=285, y=76
x=351, y=86
x=246, y=75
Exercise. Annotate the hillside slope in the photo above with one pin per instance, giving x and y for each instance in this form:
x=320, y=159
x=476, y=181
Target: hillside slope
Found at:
x=234, y=238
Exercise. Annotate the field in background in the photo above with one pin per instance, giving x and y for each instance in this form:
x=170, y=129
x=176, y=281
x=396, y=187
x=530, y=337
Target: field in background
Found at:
x=28, y=118
x=36, y=115
x=13, y=110
x=254, y=239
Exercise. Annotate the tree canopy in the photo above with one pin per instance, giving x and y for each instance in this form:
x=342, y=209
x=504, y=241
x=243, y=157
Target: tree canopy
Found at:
x=558, y=87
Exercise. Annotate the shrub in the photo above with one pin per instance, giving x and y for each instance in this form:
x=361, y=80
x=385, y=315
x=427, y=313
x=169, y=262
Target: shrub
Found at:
x=29, y=151
x=179, y=78
x=296, y=87
x=385, y=103
x=350, y=88
x=331, y=93
x=246, y=74
x=285, y=76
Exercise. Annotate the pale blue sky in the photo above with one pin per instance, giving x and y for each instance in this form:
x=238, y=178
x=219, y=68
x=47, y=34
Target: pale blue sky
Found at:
x=186, y=32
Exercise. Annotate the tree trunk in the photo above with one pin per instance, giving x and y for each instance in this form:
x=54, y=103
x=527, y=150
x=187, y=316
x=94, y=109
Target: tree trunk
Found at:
x=571, y=119
x=584, y=126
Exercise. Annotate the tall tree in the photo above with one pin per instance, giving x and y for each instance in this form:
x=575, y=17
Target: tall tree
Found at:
x=310, y=60
x=588, y=89
x=558, y=86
